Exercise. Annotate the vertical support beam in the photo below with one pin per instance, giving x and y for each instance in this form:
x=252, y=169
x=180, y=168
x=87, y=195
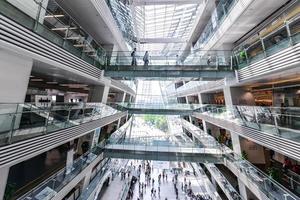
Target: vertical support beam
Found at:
x=87, y=178
x=242, y=189
x=4, y=175
x=187, y=102
x=200, y=97
x=236, y=143
x=14, y=78
x=105, y=94
x=123, y=99
x=227, y=96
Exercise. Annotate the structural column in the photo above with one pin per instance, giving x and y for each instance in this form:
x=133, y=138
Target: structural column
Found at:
x=99, y=93
x=123, y=99
x=236, y=143
x=4, y=175
x=200, y=98
x=105, y=94
x=14, y=79
x=70, y=157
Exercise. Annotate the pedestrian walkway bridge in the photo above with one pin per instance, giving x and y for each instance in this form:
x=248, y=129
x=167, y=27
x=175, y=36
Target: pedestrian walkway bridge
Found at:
x=206, y=72
x=210, y=65
x=127, y=144
x=164, y=153
x=158, y=109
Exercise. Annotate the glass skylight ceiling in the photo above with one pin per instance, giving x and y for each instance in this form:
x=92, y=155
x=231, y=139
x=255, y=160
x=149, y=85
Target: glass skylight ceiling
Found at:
x=155, y=21
x=161, y=21
x=164, y=21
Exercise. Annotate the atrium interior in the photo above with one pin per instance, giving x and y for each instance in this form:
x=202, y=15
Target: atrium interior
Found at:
x=150, y=99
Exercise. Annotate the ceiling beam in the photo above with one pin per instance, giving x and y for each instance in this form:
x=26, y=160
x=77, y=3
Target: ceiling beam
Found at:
x=163, y=2
x=162, y=40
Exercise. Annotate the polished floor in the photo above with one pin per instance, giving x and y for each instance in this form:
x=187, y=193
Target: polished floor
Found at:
x=198, y=184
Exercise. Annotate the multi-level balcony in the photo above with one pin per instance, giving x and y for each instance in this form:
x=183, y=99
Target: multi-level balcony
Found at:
x=260, y=183
x=272, y=127
x=28, y=130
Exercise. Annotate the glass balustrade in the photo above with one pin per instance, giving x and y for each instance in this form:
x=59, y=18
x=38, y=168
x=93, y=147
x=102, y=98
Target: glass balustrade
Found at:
x=172, y=106
x=286, y=35
x=55, y=25
x=264, y=183
x=223, y=182
x=51, y=186
x=280, y=121
x=206, y=60
x=23, y=121
x=103, y=168
x=258, y=177
x=162, y=143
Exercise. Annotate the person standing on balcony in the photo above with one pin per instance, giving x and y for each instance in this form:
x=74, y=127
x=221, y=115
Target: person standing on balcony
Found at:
x=178, y=62
x=208, y=59
x=146, y=58
x=133, y=55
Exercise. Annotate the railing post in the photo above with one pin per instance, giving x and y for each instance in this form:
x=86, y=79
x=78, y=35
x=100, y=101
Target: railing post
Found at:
x=12, y=128
x=47, y=120
x=36, y=22
x=68, y=117
x=287, y=26
x=263, y=46
x=231, y=63
x=276, y=124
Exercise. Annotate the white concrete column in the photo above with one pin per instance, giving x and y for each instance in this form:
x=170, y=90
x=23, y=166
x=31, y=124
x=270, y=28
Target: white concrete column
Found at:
x=200, y=98
x=130, y=98
x=236, y=143
x=86, y=180
x=70, y=157
x=123, y=99
x=242, y=189
x=227, y=96
x=187, y=102
x=69, y=161
x=99, y=94
x=15, y=72
x=14, y=77
x=4, y=175
x=105, y=94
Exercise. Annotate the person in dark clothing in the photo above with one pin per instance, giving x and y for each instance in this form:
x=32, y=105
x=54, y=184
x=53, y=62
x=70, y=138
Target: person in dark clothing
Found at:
x=133, y=56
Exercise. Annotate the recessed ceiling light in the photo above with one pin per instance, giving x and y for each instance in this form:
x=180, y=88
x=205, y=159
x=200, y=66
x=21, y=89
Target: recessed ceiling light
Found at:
x=36, y=79
x=49, y=16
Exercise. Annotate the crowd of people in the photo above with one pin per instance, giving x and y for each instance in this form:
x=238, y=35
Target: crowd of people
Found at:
x=146, y=182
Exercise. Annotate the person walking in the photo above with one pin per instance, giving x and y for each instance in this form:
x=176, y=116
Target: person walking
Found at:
x=146, y=58
x=208, y=59
x=133, y=56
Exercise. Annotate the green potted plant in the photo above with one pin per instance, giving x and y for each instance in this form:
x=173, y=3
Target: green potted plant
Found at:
x=274, y=174
x=244, y=155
